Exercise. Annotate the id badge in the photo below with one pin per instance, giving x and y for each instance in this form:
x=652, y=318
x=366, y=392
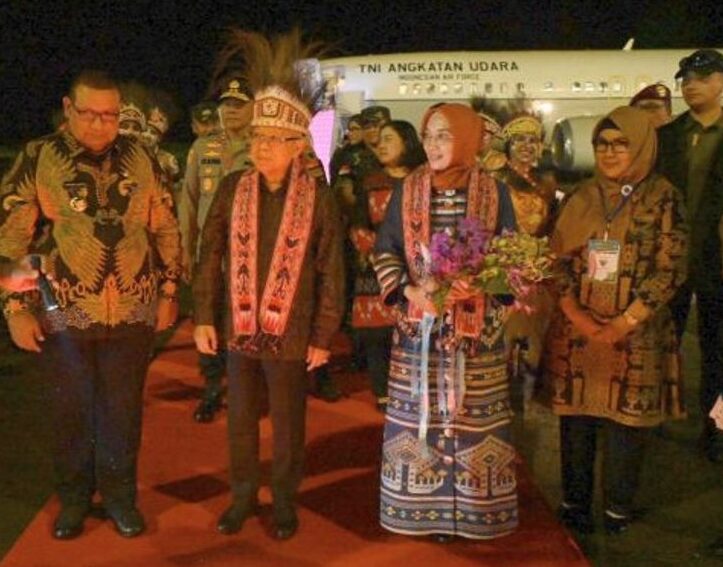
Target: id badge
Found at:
x=603, y=260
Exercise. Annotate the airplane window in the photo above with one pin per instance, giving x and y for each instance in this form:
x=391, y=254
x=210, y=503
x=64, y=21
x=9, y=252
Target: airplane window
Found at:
x=417, y=88
x=443, y=88
x=488, y=88
x=576, y=86
x=617, y=87
x=521, y=88
x=549, y=86
x=430, y=88
x=403, y=89
x=589, y=86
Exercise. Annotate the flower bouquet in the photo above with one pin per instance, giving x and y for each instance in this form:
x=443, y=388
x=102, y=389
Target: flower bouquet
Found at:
x=510, y=264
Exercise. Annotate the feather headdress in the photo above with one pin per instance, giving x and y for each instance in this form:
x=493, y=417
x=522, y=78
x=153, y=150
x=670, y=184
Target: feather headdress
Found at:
x=283, y=74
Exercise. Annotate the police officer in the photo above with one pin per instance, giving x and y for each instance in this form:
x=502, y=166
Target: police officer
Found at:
x=210, y=159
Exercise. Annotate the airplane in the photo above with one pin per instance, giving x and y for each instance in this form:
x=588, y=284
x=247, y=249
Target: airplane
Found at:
x=569, y=89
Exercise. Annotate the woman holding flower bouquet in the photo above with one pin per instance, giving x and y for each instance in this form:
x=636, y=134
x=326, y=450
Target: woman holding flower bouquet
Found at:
x=448, y=467
x=612, y=360
x=399, y=151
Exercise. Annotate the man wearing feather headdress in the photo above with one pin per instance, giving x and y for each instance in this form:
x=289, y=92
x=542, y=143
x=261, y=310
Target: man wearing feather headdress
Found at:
x=277, y=228
x=113, y=252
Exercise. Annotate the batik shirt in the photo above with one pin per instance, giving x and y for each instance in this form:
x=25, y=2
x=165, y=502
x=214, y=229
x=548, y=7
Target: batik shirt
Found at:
x=105, y=223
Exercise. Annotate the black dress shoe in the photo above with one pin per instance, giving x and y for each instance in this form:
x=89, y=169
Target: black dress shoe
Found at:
x=286, y=523
x=615, y=525
x=69, y=523
x=712, y=441
x=207, y=409
x=233, y=518
x=127, y=519
x=443, y=538
x=716, y=548
x=327, y=391
x=576, y=518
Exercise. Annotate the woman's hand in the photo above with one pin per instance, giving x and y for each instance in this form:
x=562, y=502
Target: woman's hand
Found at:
x=461, y=290
x=614, y=331
x=421, y=296
x=583, y=322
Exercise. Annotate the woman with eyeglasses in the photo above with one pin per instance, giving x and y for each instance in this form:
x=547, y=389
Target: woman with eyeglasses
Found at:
x=612, y=362
x=399, y=152
x=448, y=465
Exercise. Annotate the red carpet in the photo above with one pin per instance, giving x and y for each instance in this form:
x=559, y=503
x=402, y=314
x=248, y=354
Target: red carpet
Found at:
x=183, y=489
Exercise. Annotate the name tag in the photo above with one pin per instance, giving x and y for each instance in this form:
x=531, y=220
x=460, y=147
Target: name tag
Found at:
x=603, y=260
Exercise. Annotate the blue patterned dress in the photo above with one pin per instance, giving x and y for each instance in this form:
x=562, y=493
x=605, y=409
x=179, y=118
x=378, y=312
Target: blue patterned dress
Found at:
x=460, y=479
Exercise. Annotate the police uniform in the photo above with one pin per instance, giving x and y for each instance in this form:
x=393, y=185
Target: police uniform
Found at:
x=210, y=159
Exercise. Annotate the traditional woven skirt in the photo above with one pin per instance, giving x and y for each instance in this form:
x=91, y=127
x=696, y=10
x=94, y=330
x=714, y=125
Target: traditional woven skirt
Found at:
x=460, y=479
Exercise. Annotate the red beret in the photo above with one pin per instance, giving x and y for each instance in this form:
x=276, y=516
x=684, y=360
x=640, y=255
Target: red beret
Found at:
x=658, y=91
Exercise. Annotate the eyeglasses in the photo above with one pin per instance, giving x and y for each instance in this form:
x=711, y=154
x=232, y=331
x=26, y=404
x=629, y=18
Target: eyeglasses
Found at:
x=273, y=140
x=88, y=115
x=441, y=138
x=618, y=145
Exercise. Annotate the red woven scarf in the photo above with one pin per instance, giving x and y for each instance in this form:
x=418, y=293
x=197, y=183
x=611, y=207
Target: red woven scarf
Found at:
x=482, y=204
x=264, y=324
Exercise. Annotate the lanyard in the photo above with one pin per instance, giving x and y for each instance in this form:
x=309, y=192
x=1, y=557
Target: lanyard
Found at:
x=626, y=191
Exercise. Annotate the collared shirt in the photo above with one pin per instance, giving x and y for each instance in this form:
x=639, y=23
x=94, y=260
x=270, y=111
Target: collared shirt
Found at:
x=702, y=142
x=209, y=160
x=106, y=224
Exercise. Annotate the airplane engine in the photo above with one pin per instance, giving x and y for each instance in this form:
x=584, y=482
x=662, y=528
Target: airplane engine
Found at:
x=571, y=143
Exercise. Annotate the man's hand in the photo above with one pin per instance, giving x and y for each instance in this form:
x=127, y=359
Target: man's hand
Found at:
x=206, y=339
x=19, y=277
x=613, y=331
x=25, y=331
x=166, y=313
x=316, y=357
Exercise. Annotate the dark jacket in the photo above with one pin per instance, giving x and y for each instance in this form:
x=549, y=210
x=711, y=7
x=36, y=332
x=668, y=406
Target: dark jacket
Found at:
x=318, y=307
x=704, y=248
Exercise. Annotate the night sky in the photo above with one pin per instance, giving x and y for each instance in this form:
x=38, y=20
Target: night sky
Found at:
x=44, y=43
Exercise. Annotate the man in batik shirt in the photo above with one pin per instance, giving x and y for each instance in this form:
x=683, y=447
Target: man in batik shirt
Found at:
x=113, y=251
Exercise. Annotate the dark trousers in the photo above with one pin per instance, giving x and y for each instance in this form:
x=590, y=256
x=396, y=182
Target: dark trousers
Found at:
x=377, y=345
x=286, y=384
x=622, y=457
x=213, y=367
x=96, y=404
x=710, y=337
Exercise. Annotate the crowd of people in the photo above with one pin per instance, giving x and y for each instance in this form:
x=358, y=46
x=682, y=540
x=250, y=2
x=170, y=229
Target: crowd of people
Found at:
x=278, y=259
